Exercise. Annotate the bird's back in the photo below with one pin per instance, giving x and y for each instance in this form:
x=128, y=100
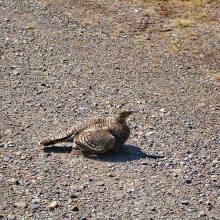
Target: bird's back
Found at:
x=70, y=134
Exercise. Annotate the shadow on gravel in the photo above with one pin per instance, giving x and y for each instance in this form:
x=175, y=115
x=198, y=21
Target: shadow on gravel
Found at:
x=126, y=153
x=58, y=149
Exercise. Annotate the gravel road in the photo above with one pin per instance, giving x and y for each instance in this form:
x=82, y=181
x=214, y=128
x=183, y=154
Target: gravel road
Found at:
x=62, y=62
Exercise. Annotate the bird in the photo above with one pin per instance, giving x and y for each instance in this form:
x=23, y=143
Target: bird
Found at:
x=96, y=135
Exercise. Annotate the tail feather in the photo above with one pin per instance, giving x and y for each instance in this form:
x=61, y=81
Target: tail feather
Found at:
x=48, y=142
x=62, y=137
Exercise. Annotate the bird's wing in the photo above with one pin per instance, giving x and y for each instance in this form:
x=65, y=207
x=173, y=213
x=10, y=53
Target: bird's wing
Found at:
x=66, y=136
x=99, y=140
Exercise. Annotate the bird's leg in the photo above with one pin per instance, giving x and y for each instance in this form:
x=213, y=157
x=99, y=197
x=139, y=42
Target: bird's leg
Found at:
x=76, y=150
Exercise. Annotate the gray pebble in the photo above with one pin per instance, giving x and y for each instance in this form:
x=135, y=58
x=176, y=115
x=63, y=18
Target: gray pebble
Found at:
x=153, y=208
x=11, y=217
x=10, y=144
x=35, y=206
x=6, y=159
x=15, y=72
x=202, y=213
x=191, y=210
x=167, y=164
x=100, y=184
x=1, y=179
x=184, y=202
x=149, y=133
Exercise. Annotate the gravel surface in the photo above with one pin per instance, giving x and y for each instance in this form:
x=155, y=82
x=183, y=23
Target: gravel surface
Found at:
x=66, y=61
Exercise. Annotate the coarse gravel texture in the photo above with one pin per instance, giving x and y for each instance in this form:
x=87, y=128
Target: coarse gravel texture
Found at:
x=62, y=62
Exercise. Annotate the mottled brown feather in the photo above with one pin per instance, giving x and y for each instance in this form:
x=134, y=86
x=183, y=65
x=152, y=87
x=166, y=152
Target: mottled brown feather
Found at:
x=96, y=135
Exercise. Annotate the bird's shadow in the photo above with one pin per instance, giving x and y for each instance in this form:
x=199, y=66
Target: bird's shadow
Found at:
x=124, y=154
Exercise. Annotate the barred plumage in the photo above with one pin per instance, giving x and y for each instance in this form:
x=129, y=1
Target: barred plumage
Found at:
x=96, y=135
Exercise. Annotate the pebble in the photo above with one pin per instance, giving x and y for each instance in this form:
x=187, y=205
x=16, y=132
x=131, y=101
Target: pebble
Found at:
x=1, y=145
x=191, y=210
x=20, y=204
x=18, y=153
x=167, y=164
x=53, y=205
x=202, y=213
x=35, y=206
x=73, y=196
x=149, y=133
x=74, y=208
x=15, y=72
x=100, y=183
x=184, y=202
x=111, y=175
x=1, y=179
x=10, y=144
x=75, y=187
x=14, y=181
x=190, y=156
x=188, y=181
x=11, y=217
x=208, y=203
x=153, y=208
x=6, y=159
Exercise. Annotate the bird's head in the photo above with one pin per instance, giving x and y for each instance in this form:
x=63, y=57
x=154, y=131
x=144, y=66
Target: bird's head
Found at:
x=123, y=114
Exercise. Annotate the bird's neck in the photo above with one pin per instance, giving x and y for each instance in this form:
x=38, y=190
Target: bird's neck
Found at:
x=119, y=120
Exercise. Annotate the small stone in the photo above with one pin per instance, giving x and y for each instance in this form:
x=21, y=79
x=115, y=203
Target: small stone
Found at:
x=162, y=110
x=100, y=184
x=10, y=144
x=14, y=181
x=184, y=202
x=75, y=187
x=110, y=175
x=18, y=153
x=2, y=179
x=130, y=191
x=167, y=164
x=188, y=181
x=23, y=157
x=153, y=208
x=182, y=163
x=74, y=208
x=6, y=159
x=73, y=196
x=36, y=201
x=43, y=84
x=20, y=204
x=191, y=210
x=35, y=206
x=15, y=72
x=190, y=156
x=53, y=205
x=208, y=203
x=202, y=213
x=149, y=133
x=11, y=217
x=144, y=163
x=1, y=145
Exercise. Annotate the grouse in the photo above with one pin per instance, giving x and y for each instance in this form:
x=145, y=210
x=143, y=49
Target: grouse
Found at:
x=96, y=135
